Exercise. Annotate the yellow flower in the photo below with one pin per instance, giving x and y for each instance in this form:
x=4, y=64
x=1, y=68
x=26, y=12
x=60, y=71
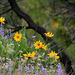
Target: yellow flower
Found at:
x=17, y=36
x=49, y=34
x=30, y=55
x=37, y=44
x=33, y=54
x=56, y=57
x=25, y=55
x=2, y=20
x=43, y=47
x=52, y=54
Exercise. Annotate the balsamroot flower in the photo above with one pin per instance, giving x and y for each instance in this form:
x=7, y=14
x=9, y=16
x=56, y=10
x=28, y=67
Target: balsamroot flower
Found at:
x=31, y=55
x=56, y=57
x=25, y=55
x=2, y=20
x=37, y=44
x=53, y=54
x=44, y=47
x=17, y=36
x=49, y=34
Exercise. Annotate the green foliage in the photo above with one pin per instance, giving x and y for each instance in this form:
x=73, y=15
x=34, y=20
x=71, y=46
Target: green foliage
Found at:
x=23, y=42
x=2, y=48
x=44, y=63
x=13, y=51
x=9, y=47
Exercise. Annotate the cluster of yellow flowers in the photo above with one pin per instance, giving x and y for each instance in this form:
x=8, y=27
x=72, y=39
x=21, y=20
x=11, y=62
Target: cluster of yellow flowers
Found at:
x=2, y=20
x=49, y=34
x=29, y=54
x=53, y=54
x=17, y=36
x=39, y=44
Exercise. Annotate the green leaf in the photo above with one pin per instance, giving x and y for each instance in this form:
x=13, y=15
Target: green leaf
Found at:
x=44, y=63
x=0, y=37
x=23, y=42
x=16, y=45
x=9, y=47
x=2, y=48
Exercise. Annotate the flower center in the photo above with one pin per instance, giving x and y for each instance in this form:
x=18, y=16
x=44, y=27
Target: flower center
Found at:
x=38, y=44
x=17, y=36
